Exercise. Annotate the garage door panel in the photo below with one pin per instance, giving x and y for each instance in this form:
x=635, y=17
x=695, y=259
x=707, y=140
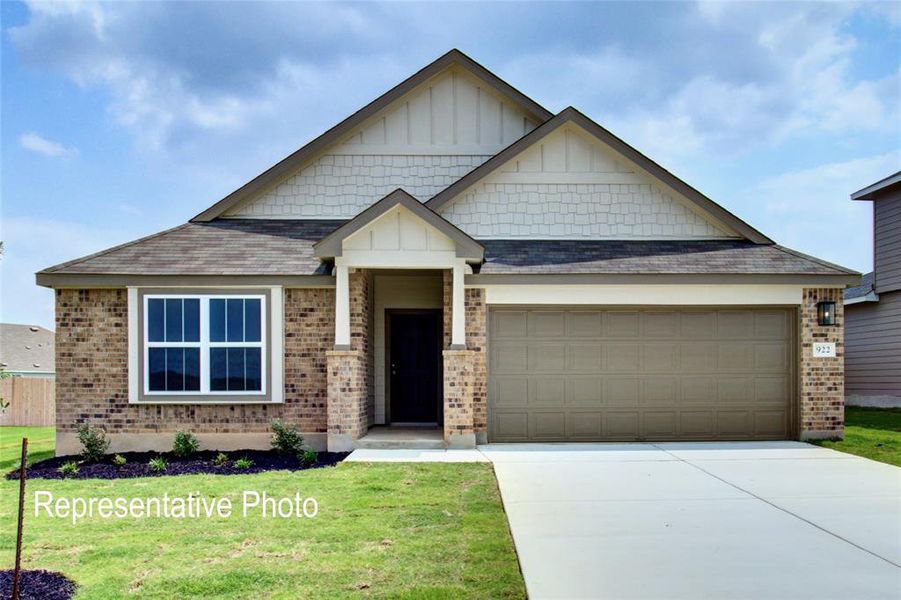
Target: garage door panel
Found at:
x=591, y=374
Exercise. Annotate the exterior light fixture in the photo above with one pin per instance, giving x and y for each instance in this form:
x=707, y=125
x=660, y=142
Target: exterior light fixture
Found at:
x=826, y=313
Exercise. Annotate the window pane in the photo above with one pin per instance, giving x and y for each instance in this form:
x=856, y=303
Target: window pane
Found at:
x=175, y=369
x=155, y=320
x=253, y=370
x=157, y=374
x=192, y=369
x=218, y=370
x=252, y=320
x=192, y=320
x=235, y=369
x=217, y=320
x=173, y=320
x=235, y=320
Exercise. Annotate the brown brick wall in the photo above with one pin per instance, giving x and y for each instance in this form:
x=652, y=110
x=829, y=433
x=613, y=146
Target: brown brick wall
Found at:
x=459, y=381
x=92, y=370
x=822, y=395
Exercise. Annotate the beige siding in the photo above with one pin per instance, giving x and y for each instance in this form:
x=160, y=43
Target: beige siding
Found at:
x=873, y=347
x=887, y=239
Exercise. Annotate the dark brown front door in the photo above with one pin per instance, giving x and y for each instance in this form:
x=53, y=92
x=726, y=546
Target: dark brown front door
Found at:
x=414, y=366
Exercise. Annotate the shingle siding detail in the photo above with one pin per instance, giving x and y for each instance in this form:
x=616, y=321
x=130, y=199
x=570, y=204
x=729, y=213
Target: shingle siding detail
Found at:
x=588, y=211
x=341, y=186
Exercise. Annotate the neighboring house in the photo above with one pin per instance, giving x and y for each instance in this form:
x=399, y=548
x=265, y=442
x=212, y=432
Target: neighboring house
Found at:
x=453, y=256
x=873, y=309
x=26, y=350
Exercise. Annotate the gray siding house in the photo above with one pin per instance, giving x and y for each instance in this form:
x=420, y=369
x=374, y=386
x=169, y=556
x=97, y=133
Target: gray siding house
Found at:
x=873, y=309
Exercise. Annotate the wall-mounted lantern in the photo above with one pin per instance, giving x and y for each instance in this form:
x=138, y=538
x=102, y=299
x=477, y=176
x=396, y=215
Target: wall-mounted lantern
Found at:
x=826, y=313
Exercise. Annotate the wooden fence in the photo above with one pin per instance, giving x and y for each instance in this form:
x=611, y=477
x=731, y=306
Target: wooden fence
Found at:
x=32, y=401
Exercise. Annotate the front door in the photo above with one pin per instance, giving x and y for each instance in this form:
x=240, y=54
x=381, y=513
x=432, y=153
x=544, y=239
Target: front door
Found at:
x=414, y=366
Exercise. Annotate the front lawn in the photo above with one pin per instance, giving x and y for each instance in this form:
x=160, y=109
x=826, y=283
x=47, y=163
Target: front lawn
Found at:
x=41, y=442
x=872, y=433
x=383, y=530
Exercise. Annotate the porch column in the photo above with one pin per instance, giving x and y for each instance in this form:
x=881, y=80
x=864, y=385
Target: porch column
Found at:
x=342, y=307
x=458, y=308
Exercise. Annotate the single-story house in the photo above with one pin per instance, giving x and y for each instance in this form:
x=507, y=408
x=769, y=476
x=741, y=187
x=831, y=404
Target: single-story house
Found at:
x=873, y=308
x=453, y=256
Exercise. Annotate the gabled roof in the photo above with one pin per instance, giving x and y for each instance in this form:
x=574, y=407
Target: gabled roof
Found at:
x=26, y=349
x=330, y=246
x=878, y=189
x=571, y=115
x=288, y=165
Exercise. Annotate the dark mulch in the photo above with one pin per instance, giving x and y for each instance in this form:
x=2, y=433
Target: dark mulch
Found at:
x=202, y=462
x=37, y=585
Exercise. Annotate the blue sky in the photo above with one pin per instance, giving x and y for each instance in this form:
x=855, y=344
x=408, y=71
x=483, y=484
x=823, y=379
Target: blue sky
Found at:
x=119, y=120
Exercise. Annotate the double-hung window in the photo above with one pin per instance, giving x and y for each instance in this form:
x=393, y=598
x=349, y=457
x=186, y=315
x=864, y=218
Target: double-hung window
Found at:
x=204, y=345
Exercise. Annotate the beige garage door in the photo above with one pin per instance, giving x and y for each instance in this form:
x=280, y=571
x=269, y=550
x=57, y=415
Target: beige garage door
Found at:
x=586, y=374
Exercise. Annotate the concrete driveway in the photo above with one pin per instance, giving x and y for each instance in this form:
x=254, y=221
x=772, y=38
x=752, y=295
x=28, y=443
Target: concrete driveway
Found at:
x=703, y=520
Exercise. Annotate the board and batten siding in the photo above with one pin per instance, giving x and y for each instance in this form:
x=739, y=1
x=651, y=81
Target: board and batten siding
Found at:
x=571, y=185
x=422, y=143
x=873, y=347
x=887, y=242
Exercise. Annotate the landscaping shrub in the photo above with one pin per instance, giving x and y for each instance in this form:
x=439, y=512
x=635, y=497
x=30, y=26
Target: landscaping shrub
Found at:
x=221, y=459
x=185, y=444
x=119, y=460
x=69, y=468
x=285, y=439
x=158, y=464
x=308, y=457
x=94, y=443
x=243, y=463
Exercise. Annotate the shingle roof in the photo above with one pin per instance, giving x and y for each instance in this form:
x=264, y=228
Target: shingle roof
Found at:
x=26, y=348
x=220, y=247
x=591, y=256
x=865, y=287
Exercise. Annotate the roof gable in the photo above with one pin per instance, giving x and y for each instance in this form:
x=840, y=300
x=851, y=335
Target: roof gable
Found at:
x=378, y=122
x=620, y=158
x=419, y=239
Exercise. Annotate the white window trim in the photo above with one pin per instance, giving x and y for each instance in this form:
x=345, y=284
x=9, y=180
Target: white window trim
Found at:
x=205, y=345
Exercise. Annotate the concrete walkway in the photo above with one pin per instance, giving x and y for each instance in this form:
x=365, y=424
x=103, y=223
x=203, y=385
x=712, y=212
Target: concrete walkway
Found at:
x=715, y=520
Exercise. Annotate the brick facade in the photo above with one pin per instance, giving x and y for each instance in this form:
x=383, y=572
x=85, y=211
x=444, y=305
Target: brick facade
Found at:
x=459, y=382
x=822, y=394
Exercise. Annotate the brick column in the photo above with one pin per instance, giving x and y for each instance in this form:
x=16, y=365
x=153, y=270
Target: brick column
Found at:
x=350, y=381
x=822, y=394
x=459, y=376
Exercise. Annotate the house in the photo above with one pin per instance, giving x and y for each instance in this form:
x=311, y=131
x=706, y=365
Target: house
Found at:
x=455, y=257
x=873, y=309
x=26, y=350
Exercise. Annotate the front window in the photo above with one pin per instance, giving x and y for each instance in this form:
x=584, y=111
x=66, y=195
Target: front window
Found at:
x=204, y=344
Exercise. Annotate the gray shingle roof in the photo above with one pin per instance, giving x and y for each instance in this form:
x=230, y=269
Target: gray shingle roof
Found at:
x=285, y=247
x=220, y=247
x=654, y=256
x=26, y=349
x=865, y=287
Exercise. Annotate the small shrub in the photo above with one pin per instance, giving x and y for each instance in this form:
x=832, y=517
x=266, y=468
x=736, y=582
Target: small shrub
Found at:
x=119, y=460
x=185, y=444
x=243, y=463
x=94, y=443
x=68, y=469
x=308, y=457
x=158, y=464
x=221, y=459
x=285, y=439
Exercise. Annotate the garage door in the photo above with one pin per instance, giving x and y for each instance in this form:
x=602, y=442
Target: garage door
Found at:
x=586, y=374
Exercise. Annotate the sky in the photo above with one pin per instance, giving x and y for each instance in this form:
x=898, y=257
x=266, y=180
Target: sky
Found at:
x=119, y=120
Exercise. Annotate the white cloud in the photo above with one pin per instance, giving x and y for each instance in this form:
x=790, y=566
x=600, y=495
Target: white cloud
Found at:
x=36, y=143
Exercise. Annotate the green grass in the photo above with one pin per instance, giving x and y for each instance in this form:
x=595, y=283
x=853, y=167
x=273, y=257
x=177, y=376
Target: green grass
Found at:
x=872, y=433
x=41, y=442
x=383, y=531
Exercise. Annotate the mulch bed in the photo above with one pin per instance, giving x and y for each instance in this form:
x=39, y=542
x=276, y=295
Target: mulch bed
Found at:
x=37, y=585
x=199, y=463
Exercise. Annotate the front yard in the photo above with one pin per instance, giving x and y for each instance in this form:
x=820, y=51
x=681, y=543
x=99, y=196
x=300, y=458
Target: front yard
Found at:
x=872, y=433
x=385, y=530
